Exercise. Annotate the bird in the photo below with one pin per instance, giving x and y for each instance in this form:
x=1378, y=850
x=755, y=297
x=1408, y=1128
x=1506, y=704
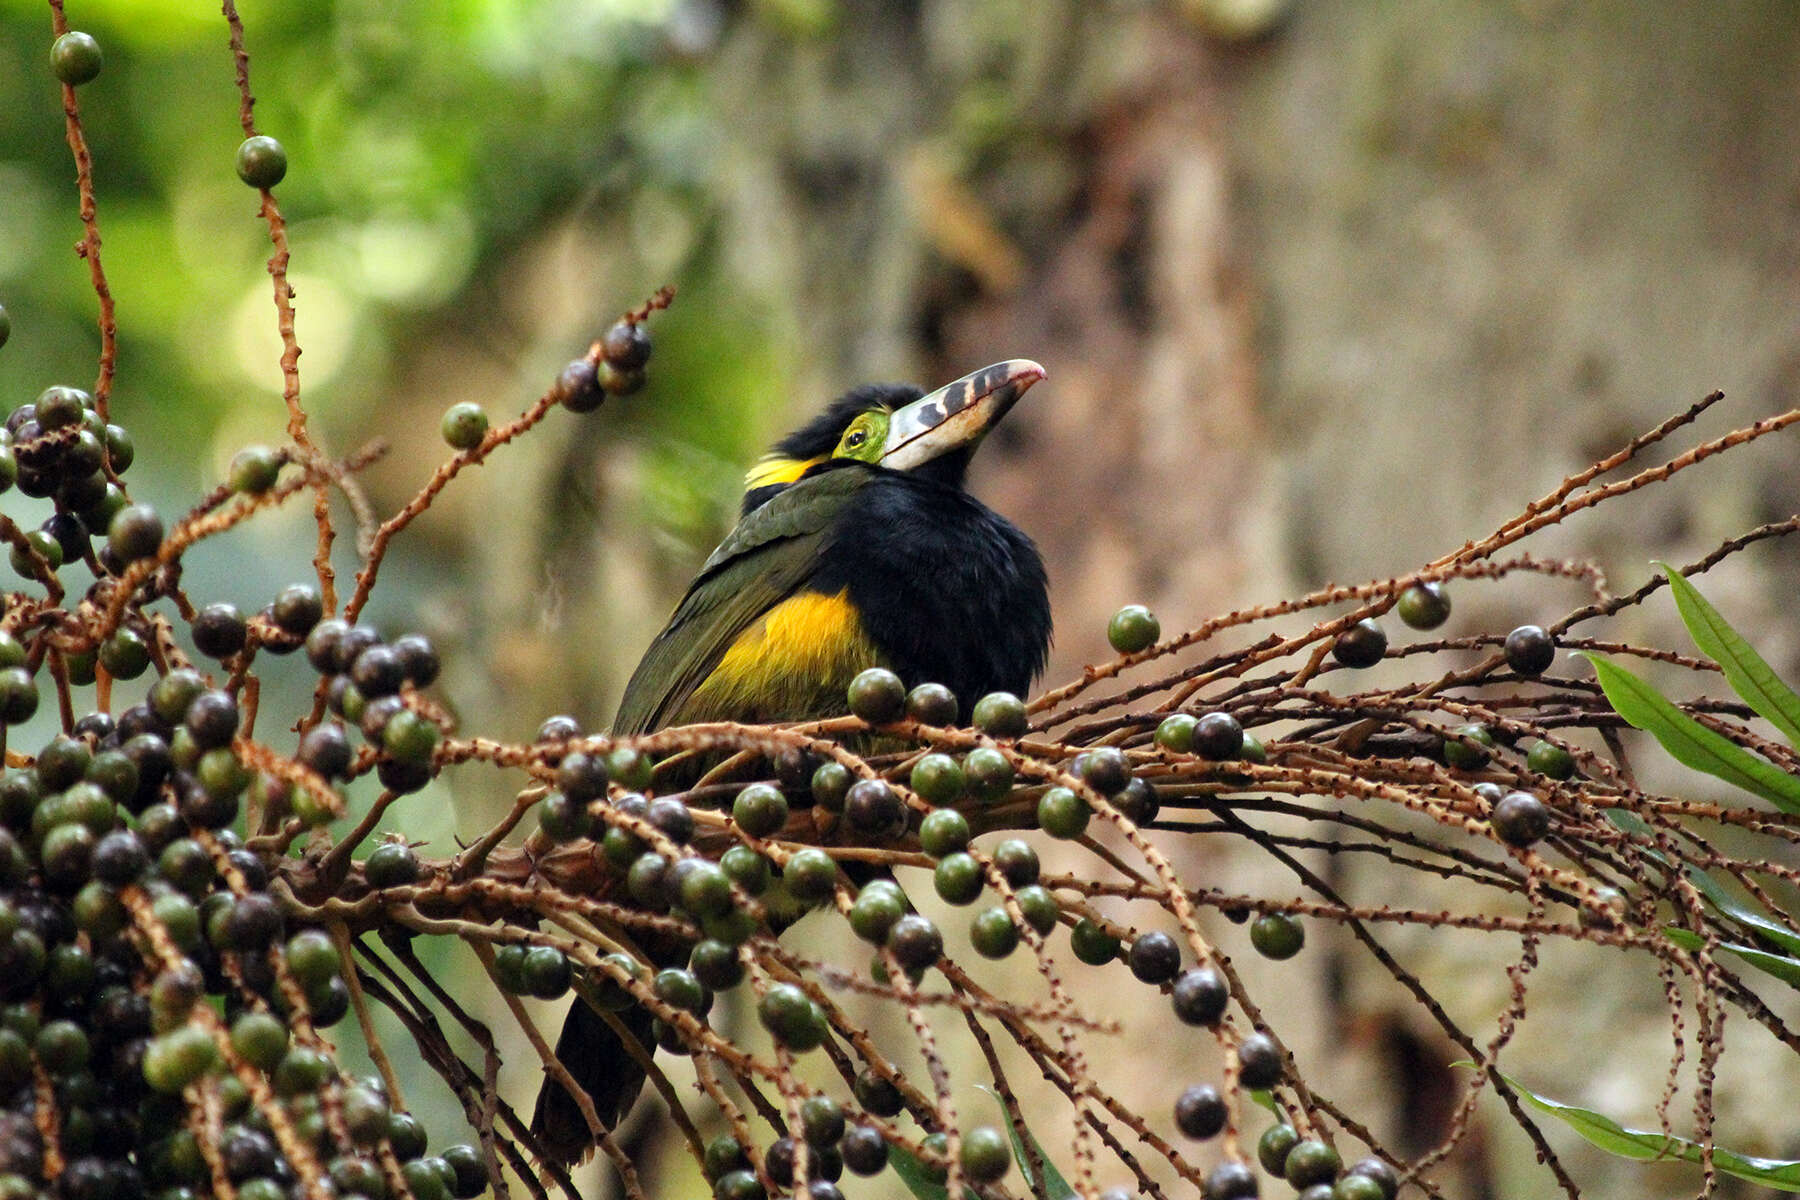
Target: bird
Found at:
x=856, y=546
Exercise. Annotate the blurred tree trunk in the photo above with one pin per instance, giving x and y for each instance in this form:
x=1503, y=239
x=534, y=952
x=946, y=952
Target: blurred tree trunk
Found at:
x=1318, y=305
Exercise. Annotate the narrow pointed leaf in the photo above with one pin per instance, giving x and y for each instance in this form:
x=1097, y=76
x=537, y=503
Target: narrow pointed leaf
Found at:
x=1779, y=965
x=1744, y=915
x=1055, y=1186
x=1745, y=670
x=1691, y=743
x=1652, y=1146
x=917, y=1179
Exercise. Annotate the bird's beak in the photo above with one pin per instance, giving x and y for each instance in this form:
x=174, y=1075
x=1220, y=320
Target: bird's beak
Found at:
x=957, y=415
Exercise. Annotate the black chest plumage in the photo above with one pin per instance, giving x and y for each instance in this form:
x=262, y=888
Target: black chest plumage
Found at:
x=949, y=591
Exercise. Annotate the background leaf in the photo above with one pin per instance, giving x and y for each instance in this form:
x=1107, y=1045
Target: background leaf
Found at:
x=1749, y=675
x=1055, y=1186
x=1649, y=1146
x=1691, y=743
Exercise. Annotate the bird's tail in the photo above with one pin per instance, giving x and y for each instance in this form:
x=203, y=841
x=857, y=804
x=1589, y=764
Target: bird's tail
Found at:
x=596, y=1057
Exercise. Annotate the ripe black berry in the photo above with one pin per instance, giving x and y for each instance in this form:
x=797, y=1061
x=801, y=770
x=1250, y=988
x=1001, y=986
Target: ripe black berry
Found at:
x=1200, y=1111
x=626, y=345
x=1361, y=645
x=1520, y=818
x=1154, y=957
x=1218, y=736
x=1200, y=996
x=1530, y=650
x=1259, y=1061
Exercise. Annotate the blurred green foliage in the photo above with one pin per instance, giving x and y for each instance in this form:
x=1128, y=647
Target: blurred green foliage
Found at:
x=475, y=190
x=431, y=146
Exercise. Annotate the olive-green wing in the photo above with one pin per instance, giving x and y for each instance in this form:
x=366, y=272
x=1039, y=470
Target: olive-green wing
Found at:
x=762, y=562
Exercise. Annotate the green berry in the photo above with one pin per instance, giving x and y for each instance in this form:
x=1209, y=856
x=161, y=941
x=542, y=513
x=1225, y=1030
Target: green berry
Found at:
x=703, y=889
x=944, y=831
x=409, y=737
x=1001, y=715
x=260, y=1039
x=629, y=767
x=1092, y=944
x=464, y=425
x=253, y=470
x=792, y=1018
x=47, y=547
x=989, y=774
x=748, y=869
x=1274, y=1146
x=958, y=879
x=120, y=450
x=1463, y=756
x=877, y=696
x=760, y=810
x=178, y=1058
x=391, y=864
x=810, y=875
x=1384, y=1177
x=1062, y=813
x=939, y=779
x=619, y=381
x=261, y=161
x=76, y=59
x=1548, y=758
x=1039, y=906
x=830, y=785
x=1277, y=936
x=932, y=704
x=136, y=531
x=1424, y=605
x=1133, y=628
x=18, y=695
x=986, y=1154
x=993, y=933
x=724, y=1154
x=1311, y=1162
x=716, y=965
x=125, y=655
x=563, y=819
x=875, y=911
x=1358, y=1187
x=1176, y=732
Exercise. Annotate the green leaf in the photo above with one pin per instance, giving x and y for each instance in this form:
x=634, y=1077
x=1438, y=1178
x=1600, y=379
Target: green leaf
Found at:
x=1723, y=900
x=913, y=1174
x=1055, y=1186
x=1649, y=1146
x=1265, y=1098
x=1691, y=743
x=1749, y=676
x=1779, y=965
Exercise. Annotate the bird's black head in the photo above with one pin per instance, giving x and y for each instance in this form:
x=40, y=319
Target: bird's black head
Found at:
x=898, y=427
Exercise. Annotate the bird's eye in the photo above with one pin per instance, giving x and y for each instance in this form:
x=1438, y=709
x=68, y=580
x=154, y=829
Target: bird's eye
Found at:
x=856, y=439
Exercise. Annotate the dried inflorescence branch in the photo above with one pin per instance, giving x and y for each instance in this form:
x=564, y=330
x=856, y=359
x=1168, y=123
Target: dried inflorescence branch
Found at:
x=160, y=851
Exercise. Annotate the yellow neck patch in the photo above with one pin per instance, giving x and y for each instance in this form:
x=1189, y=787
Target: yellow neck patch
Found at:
x=776, y=469
x=793, y=664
